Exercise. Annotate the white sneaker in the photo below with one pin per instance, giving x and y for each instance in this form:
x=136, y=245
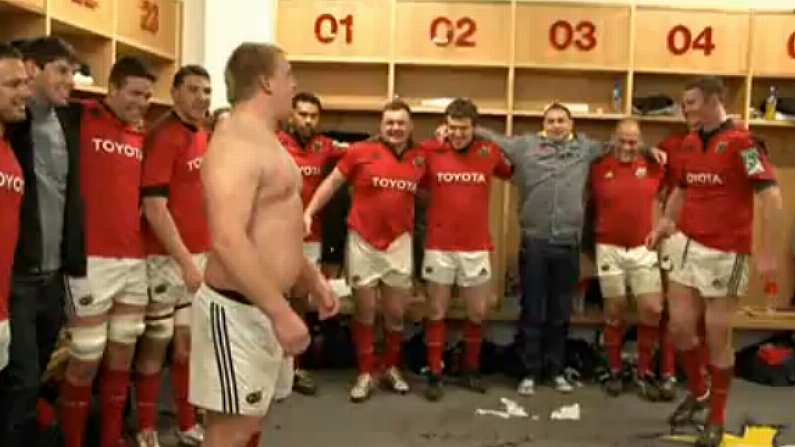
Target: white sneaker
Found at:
x=562, y=385
x=527, y=387
x=362, y=388
x=194, y=436
x=147, y=439
x=394, y=380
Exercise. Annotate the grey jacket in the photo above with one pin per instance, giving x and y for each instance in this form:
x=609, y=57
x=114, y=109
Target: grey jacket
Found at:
x=551, y=177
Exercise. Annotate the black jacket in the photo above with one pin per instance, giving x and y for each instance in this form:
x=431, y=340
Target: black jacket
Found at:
x=29, y=247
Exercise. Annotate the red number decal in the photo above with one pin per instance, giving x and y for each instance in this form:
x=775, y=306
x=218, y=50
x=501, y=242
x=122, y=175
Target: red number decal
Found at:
x=561, y=35
x=554, y=34
x=90, y=4
x=319, y=31
x=443, y=32
x=587, y=39
x=673, y=47
x=469, y=27
x=791, y=45
x=348, y=22
x=150, y=16
x=702, y=42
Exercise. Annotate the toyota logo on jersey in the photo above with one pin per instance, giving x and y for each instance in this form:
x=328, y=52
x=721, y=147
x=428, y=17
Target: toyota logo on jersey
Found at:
x=195, y=164
x=396, y=184
x=461, y=177
x=310, y=171
x=114, y=147
x=12, y=183
x=703, y=179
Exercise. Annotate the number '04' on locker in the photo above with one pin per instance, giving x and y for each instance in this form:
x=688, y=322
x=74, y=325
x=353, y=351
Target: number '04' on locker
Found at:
x=680, y=40
x=327, y=27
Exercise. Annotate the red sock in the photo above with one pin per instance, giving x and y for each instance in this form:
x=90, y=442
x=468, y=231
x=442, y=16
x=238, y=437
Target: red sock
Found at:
x=363, y=339
x=113, y=398
x=667, y=351
x=394, y=343
x=75, y=400
x=434, y=342
x=254, y=441
x=147, y=389
x=647, y=340
x=721, y=382
x=473, y=339
x=696, y=380
x=186, y=414
x=614, y=339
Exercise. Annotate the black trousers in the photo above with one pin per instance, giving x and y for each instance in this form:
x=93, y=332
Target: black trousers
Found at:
x=549, y=276
x=36, y=317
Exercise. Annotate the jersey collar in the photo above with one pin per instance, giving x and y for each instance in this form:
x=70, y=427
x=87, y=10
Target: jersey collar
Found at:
x=117, y=119
x=706, y=136
x=399, y=156
x=187, y=125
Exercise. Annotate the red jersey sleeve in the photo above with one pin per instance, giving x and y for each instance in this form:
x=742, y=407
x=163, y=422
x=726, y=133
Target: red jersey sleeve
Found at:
x=502, y=167
x=754, y=162
x=350, y=160
x=160, y=153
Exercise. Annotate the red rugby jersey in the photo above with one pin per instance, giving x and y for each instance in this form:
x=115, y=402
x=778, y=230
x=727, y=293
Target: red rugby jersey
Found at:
x=459, y=184
x=384, y=186
x=313, y=161
x=110, y=178
x=12, y=186
x=672, y=145
x=173, y=153
x=623, y=196
x=719, y=205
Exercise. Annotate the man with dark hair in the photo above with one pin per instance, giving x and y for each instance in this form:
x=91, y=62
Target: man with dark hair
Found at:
x=107, y=303
x=384, y=173
x=551, y=171
x=314, y=154
x=240, y=316
x=459, y=175
x=176, y=241
x=14, y=93
x=47, y=144
x=709, y=218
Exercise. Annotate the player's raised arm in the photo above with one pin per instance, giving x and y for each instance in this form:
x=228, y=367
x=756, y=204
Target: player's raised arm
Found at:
x=231, y=175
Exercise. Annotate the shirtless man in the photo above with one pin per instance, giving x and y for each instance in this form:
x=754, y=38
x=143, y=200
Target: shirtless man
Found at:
x=243, y=327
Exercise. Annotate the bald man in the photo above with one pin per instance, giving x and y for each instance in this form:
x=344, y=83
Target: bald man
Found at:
x=626, y=193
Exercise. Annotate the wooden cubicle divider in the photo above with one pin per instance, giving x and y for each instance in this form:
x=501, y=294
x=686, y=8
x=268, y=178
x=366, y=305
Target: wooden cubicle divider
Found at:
x=515, y=56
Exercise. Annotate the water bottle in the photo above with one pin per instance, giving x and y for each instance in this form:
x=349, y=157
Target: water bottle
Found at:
x=771, y=294
x=771, y=103
x=617, y=101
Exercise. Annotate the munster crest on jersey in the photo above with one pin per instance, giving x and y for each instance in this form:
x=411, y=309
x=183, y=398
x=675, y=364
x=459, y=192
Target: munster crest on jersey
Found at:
x=484, y=152
x=640, y=172
x=721, y=147
x=419, y=161
x=317, y=146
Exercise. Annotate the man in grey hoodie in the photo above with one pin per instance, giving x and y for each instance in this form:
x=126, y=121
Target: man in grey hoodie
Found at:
x=551, y=171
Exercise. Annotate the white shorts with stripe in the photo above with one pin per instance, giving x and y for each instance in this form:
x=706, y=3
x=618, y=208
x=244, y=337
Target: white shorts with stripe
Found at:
x=714, y=273
x=167, y=287
x=464, y=268
x=107, y=281
x=619, y=269
x=236, y=364
x=368, y=265
x=5, y=342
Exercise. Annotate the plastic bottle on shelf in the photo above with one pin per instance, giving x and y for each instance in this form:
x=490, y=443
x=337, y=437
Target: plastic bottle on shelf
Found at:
x=617, y=100
x=771, y=103
x=771, y=294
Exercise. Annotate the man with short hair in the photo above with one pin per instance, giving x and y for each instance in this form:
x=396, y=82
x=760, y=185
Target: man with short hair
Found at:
x=108, y=303
x=625, y=193
x=384, y=174
x=14, y=93
x=314, y=154
x=722, y=172
x=551, y=171
x=176, y=239
x=47, y=145
x=243, y=326
x=460, y=168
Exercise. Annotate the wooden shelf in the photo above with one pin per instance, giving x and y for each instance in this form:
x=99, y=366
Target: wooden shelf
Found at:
x=91, y=89
x=150, y=51
x=21, y=20
x=433, y=110
x=660, y=119
x=578, y=68
x=576, y=116
x=767, y=123
x=68, y=27
x=353, y=105
x=16, y=6
x=690, y=73
x=331, y=59
x=451, y=63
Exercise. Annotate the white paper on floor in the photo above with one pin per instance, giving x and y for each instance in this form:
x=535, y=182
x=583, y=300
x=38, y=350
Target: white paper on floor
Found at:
x=511, y=409
x=566, y=413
